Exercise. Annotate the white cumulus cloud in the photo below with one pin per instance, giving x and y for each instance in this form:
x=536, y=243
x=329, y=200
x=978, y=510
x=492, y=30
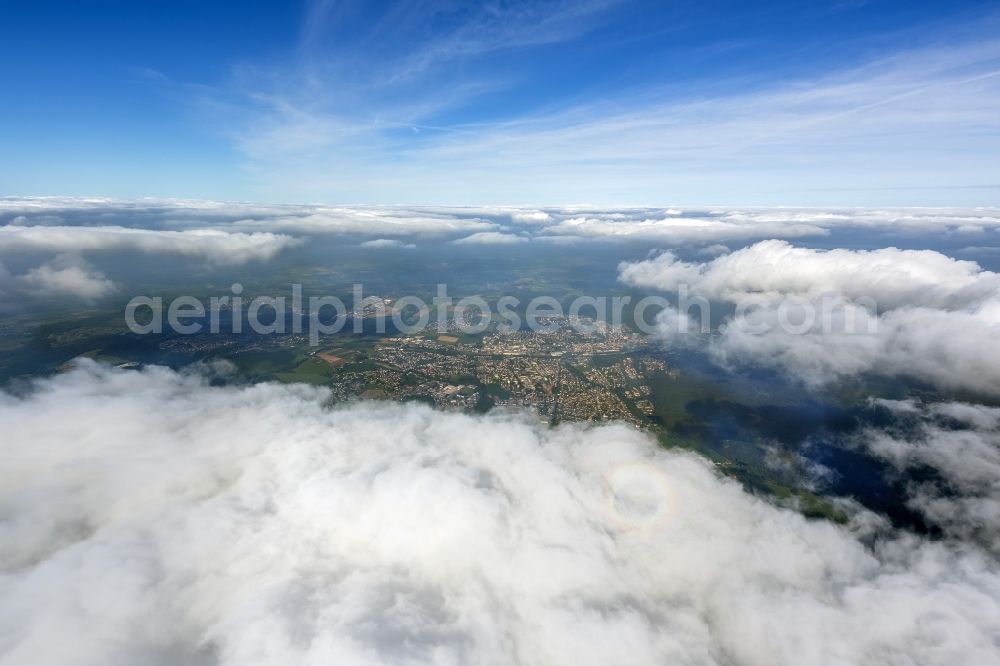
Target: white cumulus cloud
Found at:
x=822, y=315
x=68, y=275
x=387, y=243
x=775, y=269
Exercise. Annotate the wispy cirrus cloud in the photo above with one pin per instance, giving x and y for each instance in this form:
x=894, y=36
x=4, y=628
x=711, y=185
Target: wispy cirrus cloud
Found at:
x=917, y=119
x=420, y=37
x=920, y=121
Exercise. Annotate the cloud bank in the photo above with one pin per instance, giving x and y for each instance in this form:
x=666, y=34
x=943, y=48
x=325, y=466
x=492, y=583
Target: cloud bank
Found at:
x=898, y=312
x=681, y=226
x=163, y=520
x=216, y=246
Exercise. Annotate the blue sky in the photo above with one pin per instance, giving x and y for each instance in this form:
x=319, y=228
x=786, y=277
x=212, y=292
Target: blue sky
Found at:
x=602, y=101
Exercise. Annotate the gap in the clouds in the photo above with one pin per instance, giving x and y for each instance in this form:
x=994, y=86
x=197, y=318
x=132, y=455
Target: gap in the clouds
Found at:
x=775, y=435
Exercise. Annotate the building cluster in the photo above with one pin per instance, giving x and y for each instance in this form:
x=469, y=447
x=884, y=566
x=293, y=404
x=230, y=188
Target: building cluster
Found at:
x=592, y=372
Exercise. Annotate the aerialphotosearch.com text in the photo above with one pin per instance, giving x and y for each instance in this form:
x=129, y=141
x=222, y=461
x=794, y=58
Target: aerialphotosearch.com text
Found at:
x=321, y=316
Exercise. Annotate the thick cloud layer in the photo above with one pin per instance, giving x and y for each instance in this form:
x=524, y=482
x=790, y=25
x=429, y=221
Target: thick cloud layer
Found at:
x=822, y=315
x=150, y=518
